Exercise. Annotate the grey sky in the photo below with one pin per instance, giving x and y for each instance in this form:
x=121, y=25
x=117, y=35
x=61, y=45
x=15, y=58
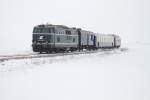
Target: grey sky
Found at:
x=128, y=18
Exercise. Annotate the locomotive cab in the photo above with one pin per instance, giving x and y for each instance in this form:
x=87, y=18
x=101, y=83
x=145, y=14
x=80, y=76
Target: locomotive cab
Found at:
x=42, y=38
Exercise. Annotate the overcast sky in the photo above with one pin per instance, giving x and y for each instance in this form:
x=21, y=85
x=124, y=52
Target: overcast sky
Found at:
x=128, y=18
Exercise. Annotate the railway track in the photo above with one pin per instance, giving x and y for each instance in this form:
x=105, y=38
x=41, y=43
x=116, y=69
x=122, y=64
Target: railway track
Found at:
x=37, y=55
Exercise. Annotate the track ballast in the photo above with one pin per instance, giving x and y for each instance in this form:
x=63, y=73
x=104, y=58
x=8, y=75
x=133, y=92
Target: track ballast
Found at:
x=37, y=55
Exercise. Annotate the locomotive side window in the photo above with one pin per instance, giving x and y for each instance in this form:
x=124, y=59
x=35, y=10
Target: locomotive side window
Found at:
x=68, y=32
x=51, y=30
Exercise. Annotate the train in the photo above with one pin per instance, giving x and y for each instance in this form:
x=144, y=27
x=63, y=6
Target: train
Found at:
x=60, y=38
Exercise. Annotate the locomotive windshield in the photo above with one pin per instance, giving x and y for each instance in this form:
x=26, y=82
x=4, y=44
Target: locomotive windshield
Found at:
x=43, y=30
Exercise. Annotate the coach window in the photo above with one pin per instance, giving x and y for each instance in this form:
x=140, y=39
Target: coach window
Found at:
x=58, y=39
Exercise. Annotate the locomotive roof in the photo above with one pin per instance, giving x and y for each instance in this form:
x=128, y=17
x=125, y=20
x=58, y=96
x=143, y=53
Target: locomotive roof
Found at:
x=50, y=26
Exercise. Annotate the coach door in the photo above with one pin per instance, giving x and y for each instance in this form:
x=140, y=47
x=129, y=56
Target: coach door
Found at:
x=94, y=41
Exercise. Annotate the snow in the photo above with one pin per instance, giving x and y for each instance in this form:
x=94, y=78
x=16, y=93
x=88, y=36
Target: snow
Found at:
x=109, y=75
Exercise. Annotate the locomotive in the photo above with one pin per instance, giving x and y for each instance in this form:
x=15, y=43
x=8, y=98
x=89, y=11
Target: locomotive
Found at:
x=59, y=38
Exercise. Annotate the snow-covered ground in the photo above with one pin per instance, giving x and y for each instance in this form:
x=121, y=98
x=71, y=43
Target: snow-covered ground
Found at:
x=109, y=75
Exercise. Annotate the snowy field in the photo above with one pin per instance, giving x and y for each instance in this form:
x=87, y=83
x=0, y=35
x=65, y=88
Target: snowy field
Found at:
x=109, y=75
